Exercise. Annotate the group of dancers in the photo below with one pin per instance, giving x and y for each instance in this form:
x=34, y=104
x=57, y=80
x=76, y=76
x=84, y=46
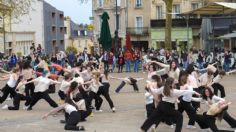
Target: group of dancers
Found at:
x=171, y=91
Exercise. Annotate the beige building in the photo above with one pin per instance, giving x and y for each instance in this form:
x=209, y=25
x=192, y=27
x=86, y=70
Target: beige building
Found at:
x=100, y=6
x=76, y=37
x=19, y=42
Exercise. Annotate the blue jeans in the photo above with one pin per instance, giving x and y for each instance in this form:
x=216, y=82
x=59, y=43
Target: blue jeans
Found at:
x=127, y=65
x=136, y=64
x=200, y=65
x=185, y=64
x=113, y=66
x=226, y=66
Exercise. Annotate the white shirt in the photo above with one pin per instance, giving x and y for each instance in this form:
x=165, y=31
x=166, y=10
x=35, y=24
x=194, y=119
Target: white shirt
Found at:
x=174, y=94
x=148, y=98
x=188, y=97
x=192, y=81
x=217, y=79
x=64, y=85
x=205, y=79
x=43, y=84
x=11, y=82
x=70, y=108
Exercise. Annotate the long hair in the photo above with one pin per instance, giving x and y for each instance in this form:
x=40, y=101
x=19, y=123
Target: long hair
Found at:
x=72, y=87
x=190, y=68
x=204, y=94
x=171, y=65
x=168, y=86
x=183, y=78
x=158, y=80
x=220, y=115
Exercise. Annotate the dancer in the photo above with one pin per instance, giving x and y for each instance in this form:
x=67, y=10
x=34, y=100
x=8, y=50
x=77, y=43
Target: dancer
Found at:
x=209, y=98
x=20, y=95
x=216, y=82
x=64, y=86
x=104, y=89
x=185, y=101
x=40, y=91
x=11, y=84
x=74, y=116
x=166, y=107
x=216, y=111
x=127, y=80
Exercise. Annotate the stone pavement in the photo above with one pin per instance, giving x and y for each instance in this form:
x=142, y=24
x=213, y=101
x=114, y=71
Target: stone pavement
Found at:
x=129, y=116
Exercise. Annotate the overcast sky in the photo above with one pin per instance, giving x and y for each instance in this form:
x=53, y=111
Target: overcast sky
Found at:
x=78, y=12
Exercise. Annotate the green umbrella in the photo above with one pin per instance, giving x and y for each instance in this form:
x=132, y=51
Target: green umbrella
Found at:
x=105, y=35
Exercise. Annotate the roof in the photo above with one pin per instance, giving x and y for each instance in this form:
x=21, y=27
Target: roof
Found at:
x=228, y=36
x=214, y=9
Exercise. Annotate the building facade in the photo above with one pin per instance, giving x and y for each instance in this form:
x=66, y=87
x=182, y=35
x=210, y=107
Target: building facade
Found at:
x=19, y=42
x=48, y=24
x=100, y=6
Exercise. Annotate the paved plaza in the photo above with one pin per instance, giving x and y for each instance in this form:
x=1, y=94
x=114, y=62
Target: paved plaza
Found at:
x=129, y=116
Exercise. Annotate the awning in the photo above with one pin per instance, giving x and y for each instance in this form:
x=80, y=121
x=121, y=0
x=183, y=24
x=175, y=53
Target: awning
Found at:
x=214, y=9
x=228, y=36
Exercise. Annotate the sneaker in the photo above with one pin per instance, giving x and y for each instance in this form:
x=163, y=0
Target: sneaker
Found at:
x=25, y=107
x=172, y=126
x=5, y=107
x=113, y=109
x=98, y=111
x=92, y=114
x=153, y=129
x=29, y=109
x=190, y=127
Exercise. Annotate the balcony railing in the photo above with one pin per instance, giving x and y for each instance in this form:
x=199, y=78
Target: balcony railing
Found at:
x=135, y=31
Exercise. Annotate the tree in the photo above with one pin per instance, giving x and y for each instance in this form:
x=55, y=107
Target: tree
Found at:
x=13, y=9
x=168, y=42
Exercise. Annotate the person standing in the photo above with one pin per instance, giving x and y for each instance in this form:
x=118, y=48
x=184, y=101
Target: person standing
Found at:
x=128, y=59
x=136, y=58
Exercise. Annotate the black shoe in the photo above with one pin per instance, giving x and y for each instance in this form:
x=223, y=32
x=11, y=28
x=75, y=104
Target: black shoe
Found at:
x=83, y=120
x=233, y=126
x=62, y=121
x=30, y=108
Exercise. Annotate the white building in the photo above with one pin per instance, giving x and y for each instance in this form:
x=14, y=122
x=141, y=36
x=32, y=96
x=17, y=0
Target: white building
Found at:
x=48, y=24
x=19, y=42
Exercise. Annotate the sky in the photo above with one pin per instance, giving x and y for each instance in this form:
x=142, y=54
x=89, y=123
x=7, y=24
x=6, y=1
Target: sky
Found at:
x=78, y=12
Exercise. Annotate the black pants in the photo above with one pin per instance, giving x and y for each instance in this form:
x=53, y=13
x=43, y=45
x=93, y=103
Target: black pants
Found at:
x=29, y=89
x=207, y=121
x=196, y=105
x=72, y=121
x=187, y=106
x=42, y=95
x=150, y=108
x=106, y=66
x=16, y=101
x=230, y=120
x=98, y=100
x=62, y=95
x=216, y=87
x=83, y=114
x=164, y=110
x=120, y=68
x=104, y=90
x=135, y=86
x=6, y=91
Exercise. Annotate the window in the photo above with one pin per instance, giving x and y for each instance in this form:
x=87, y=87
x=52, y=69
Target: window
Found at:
x=54, y=42
x=176, y=10
x=61, y=16
x=53, y=28
x=100, y=3
x=53, y=14
x=1, y=22
x=138, y=3
x=118, y=2
x=194, y=6
x=159, y=12
x=61, y=29
x=117, y=20
x=61, y=41
x=139, y=24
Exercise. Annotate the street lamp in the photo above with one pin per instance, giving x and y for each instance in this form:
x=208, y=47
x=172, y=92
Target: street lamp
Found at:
x=116, y=30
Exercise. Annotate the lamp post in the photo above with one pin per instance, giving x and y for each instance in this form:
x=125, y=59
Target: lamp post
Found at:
x=116, y=30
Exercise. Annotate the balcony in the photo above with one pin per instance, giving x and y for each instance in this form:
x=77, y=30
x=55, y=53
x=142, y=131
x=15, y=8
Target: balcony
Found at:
x=194, y=23
x=138, y=31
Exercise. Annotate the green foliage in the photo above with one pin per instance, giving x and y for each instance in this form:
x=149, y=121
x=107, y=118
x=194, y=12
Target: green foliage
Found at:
x=71, y=49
